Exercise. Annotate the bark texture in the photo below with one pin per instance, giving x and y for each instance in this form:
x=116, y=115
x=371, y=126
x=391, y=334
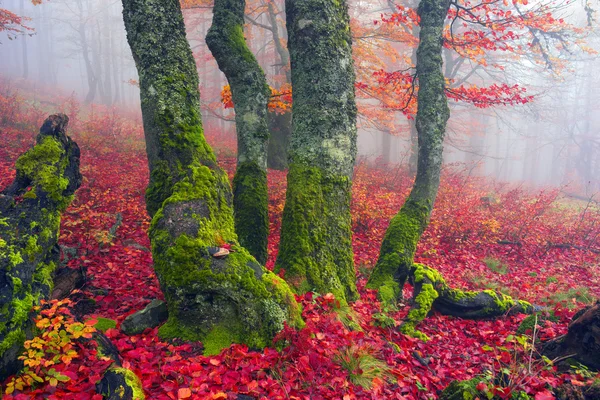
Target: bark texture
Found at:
x=250, y=94
x=216, y=300
x=403, y=234
x=582, y=341
x=395, y=264
x=30, y=210
x=316, y=247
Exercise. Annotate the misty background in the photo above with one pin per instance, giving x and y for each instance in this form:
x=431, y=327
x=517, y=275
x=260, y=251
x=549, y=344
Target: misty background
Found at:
x=79, y=48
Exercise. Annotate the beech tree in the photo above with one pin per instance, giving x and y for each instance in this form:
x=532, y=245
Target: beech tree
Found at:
x=250, y=94
x=218, y=301
x=396, y=259
x=316, y=247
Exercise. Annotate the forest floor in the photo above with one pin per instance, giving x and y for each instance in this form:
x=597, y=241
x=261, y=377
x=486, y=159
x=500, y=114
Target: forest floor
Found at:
x=535, y=245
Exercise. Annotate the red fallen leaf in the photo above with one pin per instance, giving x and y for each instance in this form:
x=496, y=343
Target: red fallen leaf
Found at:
x=544, y=395
x=184, y=393
x=91, y=322
x=215, y=362
x=219, y=396
x=481, y=386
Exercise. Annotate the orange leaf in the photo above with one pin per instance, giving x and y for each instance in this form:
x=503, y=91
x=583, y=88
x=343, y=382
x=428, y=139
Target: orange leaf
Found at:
x=184, y=393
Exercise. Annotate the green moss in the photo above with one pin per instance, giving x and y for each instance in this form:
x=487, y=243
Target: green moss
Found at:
x=44, y=164
x=21, y=309
x=316, y=248
x=105, y=324
x=397, y=251
x=133, y=381
x=220, y=338
x=250, y=202
x=423, y=302
x=44, y=274
x=462, y=390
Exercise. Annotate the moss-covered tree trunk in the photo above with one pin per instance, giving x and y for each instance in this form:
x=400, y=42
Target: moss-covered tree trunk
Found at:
x=30, y=210
x=403, y=234
x=250, y=94
x=280, y=130
x=216, y=300
x=395, y=264
x=316, y=247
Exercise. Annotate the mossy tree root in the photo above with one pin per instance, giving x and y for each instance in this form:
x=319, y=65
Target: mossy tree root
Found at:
x=432, y=291
x=316, y=247
x=250, y=94
x=30, y=211
x=218, y=301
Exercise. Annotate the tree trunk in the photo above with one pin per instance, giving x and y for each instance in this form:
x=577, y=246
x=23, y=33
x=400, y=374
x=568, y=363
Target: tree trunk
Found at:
x=280, y=130
x=397, y=253
x=30, y=209
x=216, y=300
x=582, y=341
x=403, y=234
x=250, y=94
x=316, y=246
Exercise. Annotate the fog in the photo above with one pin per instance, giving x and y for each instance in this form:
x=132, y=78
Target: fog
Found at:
x=79, y=48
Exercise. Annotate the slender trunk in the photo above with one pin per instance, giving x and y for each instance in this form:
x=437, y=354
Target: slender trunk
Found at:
x=24, y=47
x=250, y=94
x=403, y=234
x=316, y=246
x=230, y=299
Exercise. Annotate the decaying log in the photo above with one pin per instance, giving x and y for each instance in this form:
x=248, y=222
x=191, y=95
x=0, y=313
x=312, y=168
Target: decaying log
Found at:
x=582, y=341
x=47, y=176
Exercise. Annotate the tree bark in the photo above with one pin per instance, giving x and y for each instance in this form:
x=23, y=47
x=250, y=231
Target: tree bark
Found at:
x=403, y=234
x=30, y=210
x=250, y=94
x=316, y=247
x=216, y=300
x=395, y=264
x=582, y=341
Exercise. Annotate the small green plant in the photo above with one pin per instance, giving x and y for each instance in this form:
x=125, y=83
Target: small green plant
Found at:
x=551, y=279
x=496, y=265
x=362, y=365
x=572, y=296
x=383, y=320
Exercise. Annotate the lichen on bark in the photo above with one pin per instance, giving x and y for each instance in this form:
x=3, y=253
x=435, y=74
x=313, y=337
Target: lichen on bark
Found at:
x=316, y=248
x=395, y=263
x=215, y=300
x=250, y=95
x=30, y=210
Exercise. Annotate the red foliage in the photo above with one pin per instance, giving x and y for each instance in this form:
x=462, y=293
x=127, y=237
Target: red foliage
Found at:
x=471, y=216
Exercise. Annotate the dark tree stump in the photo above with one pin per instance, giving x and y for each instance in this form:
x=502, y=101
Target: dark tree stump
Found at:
x=30, y=211
x=582, y=341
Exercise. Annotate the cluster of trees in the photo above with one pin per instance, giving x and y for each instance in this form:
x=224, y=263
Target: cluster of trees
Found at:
x=209, y=242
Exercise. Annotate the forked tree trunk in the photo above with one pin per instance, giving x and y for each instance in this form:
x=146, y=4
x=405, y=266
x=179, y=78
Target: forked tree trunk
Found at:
x=250, y=94
x=397, y=253
x=316, y=246
x=216, y=300
x=30, y=210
